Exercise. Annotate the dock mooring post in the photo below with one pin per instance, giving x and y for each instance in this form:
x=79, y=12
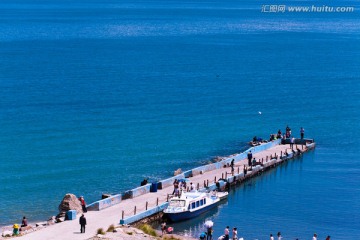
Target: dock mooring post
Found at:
x=226, y=175
x=157, y=201
x=207, y=183
x=146, y=206
x=204, y=183
x=198, y=186
x=238, y=170
x=135, y=210
x=222, y=175
x=122, y=214
x=215, y=179
x=281, y=154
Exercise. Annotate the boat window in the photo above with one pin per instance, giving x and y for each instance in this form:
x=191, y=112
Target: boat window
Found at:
x=197, y=203
x=193, y=205
x=201, y=202
x=177, y=203
x=205, y=201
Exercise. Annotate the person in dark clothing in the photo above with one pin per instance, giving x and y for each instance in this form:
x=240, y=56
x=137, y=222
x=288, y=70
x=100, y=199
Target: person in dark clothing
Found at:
x=232, y=164
x=288, y=132
x=144, y=182
x=209, y=233
x=249, y=155
x=302, y=132
x=176, y=187
x=82, y=222
x=24, y=222
x=226, y=233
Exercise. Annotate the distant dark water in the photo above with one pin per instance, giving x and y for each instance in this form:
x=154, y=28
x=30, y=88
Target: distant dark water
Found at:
x=97, y=95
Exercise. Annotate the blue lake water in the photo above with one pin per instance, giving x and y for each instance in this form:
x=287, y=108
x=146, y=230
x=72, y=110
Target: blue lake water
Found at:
x=97, y=95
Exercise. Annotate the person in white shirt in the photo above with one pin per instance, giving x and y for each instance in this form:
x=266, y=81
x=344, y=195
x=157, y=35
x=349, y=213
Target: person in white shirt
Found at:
x=314, y=237
x=234, y=234
x=271, y=237
x=279, y=236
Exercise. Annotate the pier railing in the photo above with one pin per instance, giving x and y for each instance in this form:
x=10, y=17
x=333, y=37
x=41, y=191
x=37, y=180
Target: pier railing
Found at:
x=138, y=208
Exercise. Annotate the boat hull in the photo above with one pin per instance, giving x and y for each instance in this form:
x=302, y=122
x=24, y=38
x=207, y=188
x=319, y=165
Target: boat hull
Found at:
x=176, y=217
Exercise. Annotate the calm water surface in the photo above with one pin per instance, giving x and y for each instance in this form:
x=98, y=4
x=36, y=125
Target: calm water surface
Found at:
x=97, y=95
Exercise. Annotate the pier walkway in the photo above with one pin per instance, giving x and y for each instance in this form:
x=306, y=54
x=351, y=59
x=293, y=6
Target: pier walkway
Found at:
x=153, y=200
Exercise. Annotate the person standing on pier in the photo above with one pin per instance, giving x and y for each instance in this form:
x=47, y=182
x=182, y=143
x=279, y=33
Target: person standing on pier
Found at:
x=271, y=237
x=176, y=187
x=288, y=131
x=302, y=132
x=83, y=204
x=292, y=141
x=232, y=166
x=279, y=236
x=82, y=222
x=314, y=237
x=249, y=155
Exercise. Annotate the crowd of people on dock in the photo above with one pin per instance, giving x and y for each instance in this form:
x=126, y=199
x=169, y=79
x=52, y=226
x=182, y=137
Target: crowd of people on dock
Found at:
x=233, y=235
x=180, y=185
x=279, y=135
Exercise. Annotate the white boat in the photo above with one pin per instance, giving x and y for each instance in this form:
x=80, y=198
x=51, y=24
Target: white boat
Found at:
x=192, y=204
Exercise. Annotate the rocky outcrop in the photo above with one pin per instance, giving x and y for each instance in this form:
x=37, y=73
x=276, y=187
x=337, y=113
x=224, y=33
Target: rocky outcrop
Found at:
x=70, y=202
x=177, y=172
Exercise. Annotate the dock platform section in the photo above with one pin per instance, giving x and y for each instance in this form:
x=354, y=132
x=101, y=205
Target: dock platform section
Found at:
x=140, y=203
